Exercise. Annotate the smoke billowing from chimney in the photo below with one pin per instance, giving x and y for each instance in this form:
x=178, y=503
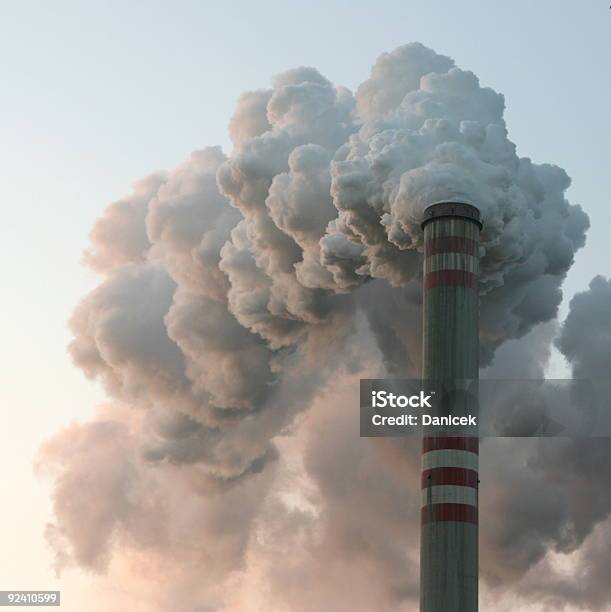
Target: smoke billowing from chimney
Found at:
x=241, y=298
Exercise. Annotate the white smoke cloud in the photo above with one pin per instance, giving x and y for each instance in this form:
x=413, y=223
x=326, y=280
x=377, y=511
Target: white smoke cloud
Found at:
x=241, y=298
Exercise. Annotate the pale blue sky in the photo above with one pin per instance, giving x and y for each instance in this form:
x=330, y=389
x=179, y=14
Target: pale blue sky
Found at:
x=95, y=94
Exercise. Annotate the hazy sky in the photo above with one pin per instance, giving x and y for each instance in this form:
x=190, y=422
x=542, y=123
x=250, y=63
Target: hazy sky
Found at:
x=97, y=94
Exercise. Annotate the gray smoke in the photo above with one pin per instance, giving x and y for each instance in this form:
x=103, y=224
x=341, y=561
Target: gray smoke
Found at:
x=241, y=298
x=555, y=500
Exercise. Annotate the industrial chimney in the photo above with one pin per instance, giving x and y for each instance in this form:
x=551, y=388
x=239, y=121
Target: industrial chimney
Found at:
x=449, y=516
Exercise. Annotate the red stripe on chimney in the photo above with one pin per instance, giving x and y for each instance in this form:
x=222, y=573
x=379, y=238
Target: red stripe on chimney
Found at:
x=443, y=513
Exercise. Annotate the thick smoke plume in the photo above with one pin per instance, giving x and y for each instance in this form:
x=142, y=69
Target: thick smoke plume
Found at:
x=242, y=297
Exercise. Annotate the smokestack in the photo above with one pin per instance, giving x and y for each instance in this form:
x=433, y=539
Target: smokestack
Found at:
x=449, y=520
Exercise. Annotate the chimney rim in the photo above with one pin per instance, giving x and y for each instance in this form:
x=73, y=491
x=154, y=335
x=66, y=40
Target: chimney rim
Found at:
x=457, y=209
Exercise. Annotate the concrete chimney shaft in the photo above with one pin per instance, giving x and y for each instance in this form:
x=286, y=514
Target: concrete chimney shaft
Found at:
x=449, y=511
